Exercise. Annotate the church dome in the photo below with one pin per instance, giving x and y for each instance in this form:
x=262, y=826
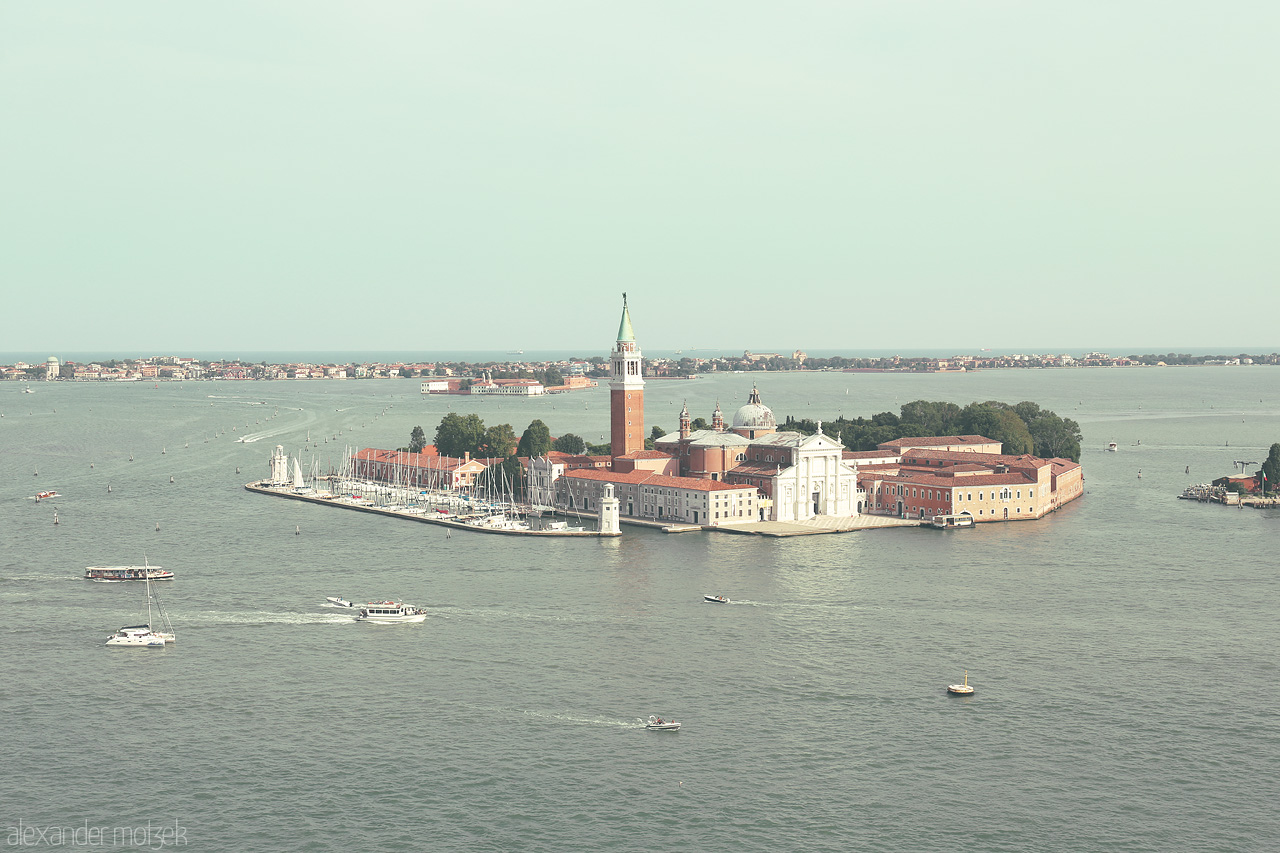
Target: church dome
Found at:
x=754, y=415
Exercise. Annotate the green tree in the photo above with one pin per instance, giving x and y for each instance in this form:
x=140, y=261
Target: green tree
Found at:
x=498, y=442
x=569, y=443
x=600, y=449
x=417, y=440
x=697, y=424
x=933, y=418
x=999, y=422
x=1271, y=468
x=459, y=434
x=535, y=441
x=1054, y=437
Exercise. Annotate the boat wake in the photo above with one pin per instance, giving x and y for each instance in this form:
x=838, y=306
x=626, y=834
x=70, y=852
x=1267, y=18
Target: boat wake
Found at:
x=586, y=721
x=263, y=618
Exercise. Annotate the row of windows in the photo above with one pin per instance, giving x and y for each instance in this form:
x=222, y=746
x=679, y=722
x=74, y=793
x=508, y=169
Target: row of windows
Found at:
x=1005, y=494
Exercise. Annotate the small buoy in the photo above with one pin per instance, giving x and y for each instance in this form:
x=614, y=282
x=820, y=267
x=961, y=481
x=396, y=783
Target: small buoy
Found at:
x=170, y=478
x=297, y=530
x=108, y=488
x=90, y=464
x=157, y=527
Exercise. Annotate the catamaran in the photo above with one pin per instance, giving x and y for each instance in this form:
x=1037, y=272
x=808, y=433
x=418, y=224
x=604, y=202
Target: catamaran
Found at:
x=146, y=636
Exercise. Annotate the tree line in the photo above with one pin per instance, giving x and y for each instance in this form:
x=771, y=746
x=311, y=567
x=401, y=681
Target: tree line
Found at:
x=1020, y=428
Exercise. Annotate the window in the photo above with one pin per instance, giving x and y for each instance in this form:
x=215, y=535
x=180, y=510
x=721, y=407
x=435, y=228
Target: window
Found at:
x=970, y=497
x=1019, y=493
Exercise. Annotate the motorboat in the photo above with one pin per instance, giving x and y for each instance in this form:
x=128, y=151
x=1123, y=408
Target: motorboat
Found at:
x=561, y=527
x=951, y=522
x=1113, y=447
x=117, y=574
x=964, y=689
x=44, y=495
x=658, y=724
x=339, y=602
x=389, y=613
x=716, y=599
x=136, y=637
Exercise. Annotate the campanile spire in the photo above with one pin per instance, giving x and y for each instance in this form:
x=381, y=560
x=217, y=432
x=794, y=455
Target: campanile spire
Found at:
x=626, y=390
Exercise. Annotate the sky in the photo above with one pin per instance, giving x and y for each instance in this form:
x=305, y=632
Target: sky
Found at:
x=481, y=175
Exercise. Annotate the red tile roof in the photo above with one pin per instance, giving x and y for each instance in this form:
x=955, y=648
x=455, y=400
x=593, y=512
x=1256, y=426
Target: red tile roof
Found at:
x=648, y=478
x=646, y=454
x=937, y=440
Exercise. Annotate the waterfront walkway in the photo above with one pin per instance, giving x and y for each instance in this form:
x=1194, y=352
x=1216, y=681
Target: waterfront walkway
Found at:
x=813, y=526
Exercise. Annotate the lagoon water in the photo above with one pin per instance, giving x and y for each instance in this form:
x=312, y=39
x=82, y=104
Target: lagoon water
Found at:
x=1123, y=649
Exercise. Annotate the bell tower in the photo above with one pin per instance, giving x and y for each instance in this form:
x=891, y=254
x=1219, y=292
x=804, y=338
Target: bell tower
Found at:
x=626, y=390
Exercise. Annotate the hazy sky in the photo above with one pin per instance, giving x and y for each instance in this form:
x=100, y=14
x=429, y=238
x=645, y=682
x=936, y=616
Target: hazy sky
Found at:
x=179, y=176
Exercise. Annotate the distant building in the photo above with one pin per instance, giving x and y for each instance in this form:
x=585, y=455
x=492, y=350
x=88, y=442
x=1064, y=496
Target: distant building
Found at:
x=52, y=368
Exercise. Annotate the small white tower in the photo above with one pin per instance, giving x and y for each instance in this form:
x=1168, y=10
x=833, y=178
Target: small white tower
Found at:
x=279, y=467
x=52, y=368
x=609, y=524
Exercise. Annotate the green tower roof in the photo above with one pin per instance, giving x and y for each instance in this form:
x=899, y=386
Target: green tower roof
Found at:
x=625, y=332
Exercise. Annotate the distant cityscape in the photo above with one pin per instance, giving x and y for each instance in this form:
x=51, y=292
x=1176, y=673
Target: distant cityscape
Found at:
x=519, y=376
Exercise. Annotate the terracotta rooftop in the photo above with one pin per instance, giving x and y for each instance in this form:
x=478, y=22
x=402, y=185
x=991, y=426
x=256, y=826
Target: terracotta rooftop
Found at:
x=647, y=478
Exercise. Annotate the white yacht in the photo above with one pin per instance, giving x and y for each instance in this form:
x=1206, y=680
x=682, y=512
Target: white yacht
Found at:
x=336, y=601
x=136, y=637
x=145, y=636
x=390, y=612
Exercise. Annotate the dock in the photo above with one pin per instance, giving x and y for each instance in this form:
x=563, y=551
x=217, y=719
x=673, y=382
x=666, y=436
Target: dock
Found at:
x=426, y=517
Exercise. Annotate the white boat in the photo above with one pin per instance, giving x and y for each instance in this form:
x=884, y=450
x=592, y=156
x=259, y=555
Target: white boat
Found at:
x=658, y=724
x=339, y=602
x=961, y=689
x=561, y=527
x=1113, y=447
x=390, y=613
x=136, y=637
x=716, y=599
x=146, y=636
x=118, y=574
x=951, y=522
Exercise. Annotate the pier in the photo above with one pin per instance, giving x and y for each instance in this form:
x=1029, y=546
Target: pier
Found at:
x=453, y=522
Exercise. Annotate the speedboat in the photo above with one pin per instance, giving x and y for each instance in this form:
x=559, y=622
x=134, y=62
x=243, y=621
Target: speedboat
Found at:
x=339, y=602
x=43, y=495
x=390, y=612
x=136, y=637
x=716, y=599
x=961, y=689
x=658, y=724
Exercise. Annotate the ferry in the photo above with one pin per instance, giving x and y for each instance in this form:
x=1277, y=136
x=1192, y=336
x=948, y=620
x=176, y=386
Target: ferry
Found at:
x=951, y=522
x=390, y=612
x=116, y=574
